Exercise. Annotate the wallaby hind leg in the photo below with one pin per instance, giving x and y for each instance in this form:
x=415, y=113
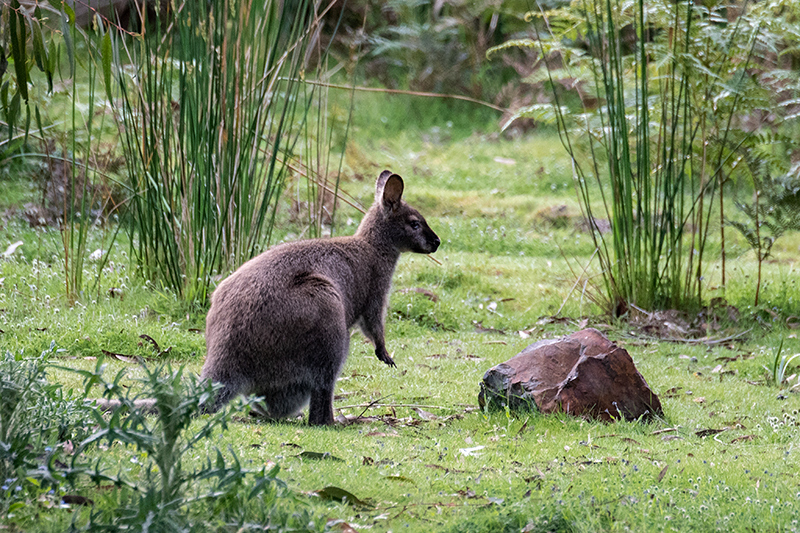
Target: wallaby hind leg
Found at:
x=282, y=402
x=320, y=410
x=332, y=357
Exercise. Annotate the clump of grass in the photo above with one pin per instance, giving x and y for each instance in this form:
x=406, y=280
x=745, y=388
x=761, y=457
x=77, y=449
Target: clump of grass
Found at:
x=77, y=200
x=212, y=114
x=650, y=140
x=779, y=366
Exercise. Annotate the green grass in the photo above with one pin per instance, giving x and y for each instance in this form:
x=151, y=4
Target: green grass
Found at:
x=421, y=475
x=501, y=268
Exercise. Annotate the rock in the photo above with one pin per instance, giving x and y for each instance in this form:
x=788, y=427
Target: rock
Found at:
x=583, y=374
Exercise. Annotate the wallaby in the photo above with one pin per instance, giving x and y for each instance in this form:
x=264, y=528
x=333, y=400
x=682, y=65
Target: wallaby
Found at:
x=279, y=326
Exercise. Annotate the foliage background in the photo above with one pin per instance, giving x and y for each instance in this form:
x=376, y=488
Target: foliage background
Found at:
x=519, y=263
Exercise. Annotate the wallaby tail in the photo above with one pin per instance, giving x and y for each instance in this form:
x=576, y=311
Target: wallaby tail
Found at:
x=147, y=406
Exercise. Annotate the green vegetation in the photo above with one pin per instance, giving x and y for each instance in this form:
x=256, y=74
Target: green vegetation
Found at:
x=518, y=263
x=209, y=139
x=776, y=372
x=35, y=416
x=659, y=126
x=414, y=458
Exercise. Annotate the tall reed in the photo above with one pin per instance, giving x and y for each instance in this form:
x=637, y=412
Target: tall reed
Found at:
x=45, y=41
x=661, y=84
x=211, y=112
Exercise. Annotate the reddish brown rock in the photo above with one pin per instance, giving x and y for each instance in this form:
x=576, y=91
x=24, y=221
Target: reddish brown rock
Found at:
x=583, y=374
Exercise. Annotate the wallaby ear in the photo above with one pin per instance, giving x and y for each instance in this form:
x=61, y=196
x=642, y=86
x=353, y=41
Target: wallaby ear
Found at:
x=380, y=183
x=392, y=192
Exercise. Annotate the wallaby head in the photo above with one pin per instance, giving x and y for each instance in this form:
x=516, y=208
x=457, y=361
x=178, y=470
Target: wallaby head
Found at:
x=393, y=222
x=279, y=326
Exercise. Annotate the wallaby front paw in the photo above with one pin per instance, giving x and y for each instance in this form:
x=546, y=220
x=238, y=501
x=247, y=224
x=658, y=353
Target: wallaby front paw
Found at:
x=386, y=358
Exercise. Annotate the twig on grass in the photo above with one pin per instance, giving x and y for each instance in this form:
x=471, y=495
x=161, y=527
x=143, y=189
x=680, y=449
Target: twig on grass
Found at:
x=705, y=340
x=376, y=404
x=710, y=342
x=151, y=340
x=370, y=405
x=665, y=430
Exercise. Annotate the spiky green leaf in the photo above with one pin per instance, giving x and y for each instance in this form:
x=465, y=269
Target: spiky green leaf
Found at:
x=107, y=53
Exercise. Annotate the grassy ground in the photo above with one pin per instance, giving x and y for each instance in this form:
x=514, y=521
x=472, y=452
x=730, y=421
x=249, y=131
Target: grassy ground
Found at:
x=423, y=457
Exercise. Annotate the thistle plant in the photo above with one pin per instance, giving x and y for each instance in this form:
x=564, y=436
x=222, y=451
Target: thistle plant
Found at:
x=36, y=416
x=172, y=488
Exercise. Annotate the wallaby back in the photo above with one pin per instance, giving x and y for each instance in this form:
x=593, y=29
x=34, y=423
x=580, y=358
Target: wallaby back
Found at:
x=278, y=327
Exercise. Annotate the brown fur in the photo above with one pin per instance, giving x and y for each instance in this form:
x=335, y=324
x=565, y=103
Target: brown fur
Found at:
x=279, y=326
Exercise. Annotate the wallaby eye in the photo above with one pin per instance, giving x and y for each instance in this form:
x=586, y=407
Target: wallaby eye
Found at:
x=414, y=224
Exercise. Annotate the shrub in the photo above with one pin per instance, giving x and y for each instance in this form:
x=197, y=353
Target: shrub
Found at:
x=36, y=417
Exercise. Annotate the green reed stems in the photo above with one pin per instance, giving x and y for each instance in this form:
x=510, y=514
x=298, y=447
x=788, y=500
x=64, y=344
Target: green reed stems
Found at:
x=212, y=111
x=651, y=151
